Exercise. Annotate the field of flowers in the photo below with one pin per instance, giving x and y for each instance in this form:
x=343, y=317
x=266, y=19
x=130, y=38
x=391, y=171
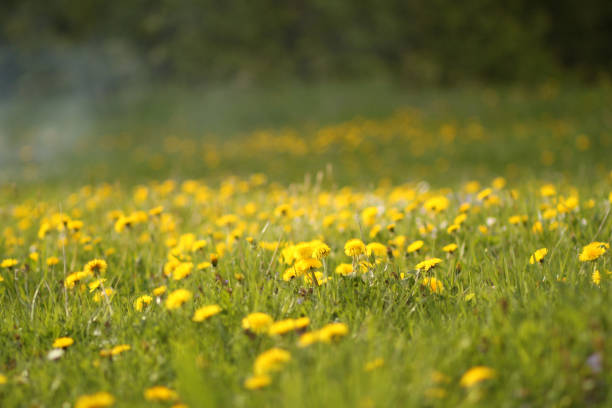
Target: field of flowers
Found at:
x=320, y=265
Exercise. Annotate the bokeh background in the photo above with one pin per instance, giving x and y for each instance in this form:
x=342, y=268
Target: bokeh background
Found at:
x=180, y=88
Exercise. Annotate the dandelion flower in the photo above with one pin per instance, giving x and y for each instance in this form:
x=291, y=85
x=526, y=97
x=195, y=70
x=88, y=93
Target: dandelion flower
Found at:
x=538, y=256
x=96, y=284
x=9, y=263
x=354, y=247
x=97, y=400
x=517, y=219
x=289, y=274
x=177, y=298
x=205, y=312
x=537, y=227
x=332, y=331
x=198, y=245
x=108, y=293
x=304, y=265
x=436, y=204
x=302, y=322
x=308, y=338
x=596, y=277
x=593, y=251
x=96, y=267
x=71, y=279
x=182, y=270
x=433, y=284
x=344, y=269
x=271, y=360
x=376, y=249
x=415, y=246
x=115, y=350
x=484, y=194
x=63, y=342
x=548, y=190
x=52, y=261
x=476, y=375
x=142, y=301
x=257, y=322
x=160, y=393
x=450, y=248
x=428, y=264
x=452, y=228
x=281, y=327
x=156, y=210
x=257, y=381
x=321, y=250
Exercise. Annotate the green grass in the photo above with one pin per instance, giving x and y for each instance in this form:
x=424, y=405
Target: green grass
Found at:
x=542, y=328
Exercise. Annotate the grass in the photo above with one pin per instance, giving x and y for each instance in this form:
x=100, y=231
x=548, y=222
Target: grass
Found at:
x=543, y=327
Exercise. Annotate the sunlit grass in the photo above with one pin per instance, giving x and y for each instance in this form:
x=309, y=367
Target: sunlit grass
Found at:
x=387, y=325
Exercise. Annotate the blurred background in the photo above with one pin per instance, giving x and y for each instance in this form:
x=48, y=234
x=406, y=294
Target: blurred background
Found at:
x=81, y=78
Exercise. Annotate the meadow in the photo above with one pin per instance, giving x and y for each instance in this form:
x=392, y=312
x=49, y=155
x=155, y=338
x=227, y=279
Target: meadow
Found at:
x=347, y=245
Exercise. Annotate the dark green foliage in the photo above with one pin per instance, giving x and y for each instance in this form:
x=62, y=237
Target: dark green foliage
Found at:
x=51, y=44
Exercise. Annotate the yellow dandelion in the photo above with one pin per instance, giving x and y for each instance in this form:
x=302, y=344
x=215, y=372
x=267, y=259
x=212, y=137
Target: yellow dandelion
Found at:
x=302, y=322
x=205, y=312
x=177, y=298
x=320, y=250
x=436, y=204
x=308, y=338
x=271, y=360
x=476, y=375
x=96, y=267
x=257, y=322
x=63, y=342
x=160, y=393
x=182, y=270
x=354, y=247
x=108, y=293
x=332, y=331
x=452, y=228
x=433, y=284
x=281, y=327
x=596, y=277
x=74, y=277
x=142, y=301
x=450, y=248
x=428, y=264
x=52, y=261
x=344, y=269
x=376, y=249
x=9, y=263
x=121, y=348
x=548, y=190
x=156, y=211
x=538, y=256
x=257, y=381
x=484, y=194
x=304, y=265
x=415, y=246
x=97, y=400
x=96, y=284
x=593, y=251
